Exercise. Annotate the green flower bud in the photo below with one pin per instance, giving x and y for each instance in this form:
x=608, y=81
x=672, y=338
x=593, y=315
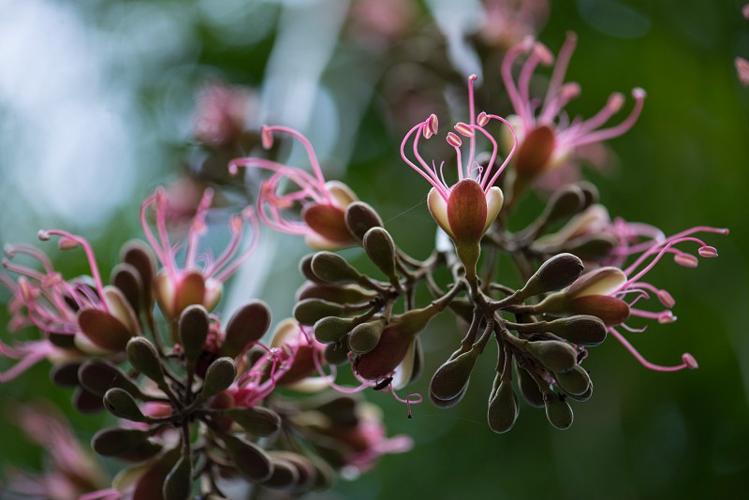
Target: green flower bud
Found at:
x=380, y=249
x=555, y=355
x=529, y=389
x=126, y=278
x=121, y=404
x=284, y=475
x=360, y=218
x=246, y=326
x=332, y=328
x=451, y=379
x=332, y=268
x=581, y=329
x=251, y=461
x=139, y=255
x=554, y=274
x=559, y=413
x=219, y=376
x=365, y=336
x=336, y=353
x=575, y=381
x=65, y=374
x=104, y=330
x=257, y=420
x=86, y=402
x=128, y=444
x=592, y=248
x=564, y=203
x=309, y=311
x=178, y=483
x=144, y=358
x=340, y=294
x=503, y=408
x=99, y=376
x=193, y=330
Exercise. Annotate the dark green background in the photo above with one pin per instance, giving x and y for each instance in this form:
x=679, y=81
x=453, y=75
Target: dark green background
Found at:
x=643, y=434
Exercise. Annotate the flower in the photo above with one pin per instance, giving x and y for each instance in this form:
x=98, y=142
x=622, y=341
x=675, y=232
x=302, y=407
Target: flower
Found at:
x=199, y=279
x=548, y=138
x=611, y=293
x=70, y=469
x=507, y=22
x=220, y=114
x=323, y=203
x=62, y=310
x=464, y=209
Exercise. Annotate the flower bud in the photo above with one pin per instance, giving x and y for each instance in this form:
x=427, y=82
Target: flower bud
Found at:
x=582, y=329
x=503, y=408
x=451, y=379
x=340, y=294
x=309, y=311
x=590, y=192
x=555, y=355
x=284, y=475
x=98, y=376
x=127, y=280
x=251, y=461
x=365, y=336
x=554, y=274
x=65, y=374
x=257, y=420
x=174, y=295
x=144, y=358
x=380, y=249
x=245, y=328
x=563, y=203
x=559, y=413
x=219, y=376
x=332, y=268
x=575, y=381
x=86, y=402
x=121, y=404
x=336, y=353
x=610, y=310
x=333, y=328
x=139, y=255
x=305, y=267
x=390, y=351
x=104, y=330
x=129, y=444
x=360, y=218
x=193, y=330
x=178, y=483
x=529, y=389
x=329, y=222
x=592, y=248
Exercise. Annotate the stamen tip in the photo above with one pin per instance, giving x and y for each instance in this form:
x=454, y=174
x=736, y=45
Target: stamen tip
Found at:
x=689, y=361
x=453, y=140
x=43, y=235
x=266, y=137
x=639, y=93
x=708, y=252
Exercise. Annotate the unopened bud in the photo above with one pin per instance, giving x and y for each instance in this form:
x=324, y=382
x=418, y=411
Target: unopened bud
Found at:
x=592, y=248
x=219, y=376
x=529, y=389
x=121, y=404
x=309, y=311
x=65, y=374
x=559, y=413
x=333, y=328
x=130, y=444
x=178, y=483
x=610, y=310
x=340, y=294
x=336, y=353
x=503, y=408
x=564, y=203
x=284, y=475
x=251, y=461
x=360, y=218
x=99, y=376
x=144, y=358
x=257, y=420
x=104, y=330
x=451, y=379
x=555, y=355
x=365, y=336
x=575, y=381
x=246, y=326
x=332, y=268
x=554, y=274
x=582, y=329
x=127, y=279
x=193, y=330
x=380, y=249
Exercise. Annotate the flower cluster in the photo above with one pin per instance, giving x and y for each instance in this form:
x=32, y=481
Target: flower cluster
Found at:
x=224, y=402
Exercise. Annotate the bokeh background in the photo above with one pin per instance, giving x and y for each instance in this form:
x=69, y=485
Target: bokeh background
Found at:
x=96, y=107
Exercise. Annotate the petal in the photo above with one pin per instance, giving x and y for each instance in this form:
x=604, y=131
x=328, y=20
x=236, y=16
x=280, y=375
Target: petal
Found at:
x=438, y=209
x=603, y=281
x=494, y=201
x=467, y=211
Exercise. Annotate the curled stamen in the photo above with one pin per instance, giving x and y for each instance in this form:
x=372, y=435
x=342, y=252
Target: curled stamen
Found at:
x=688, y=361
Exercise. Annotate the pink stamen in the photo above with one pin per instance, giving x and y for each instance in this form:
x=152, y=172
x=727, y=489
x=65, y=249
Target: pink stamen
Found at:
x=688, y=360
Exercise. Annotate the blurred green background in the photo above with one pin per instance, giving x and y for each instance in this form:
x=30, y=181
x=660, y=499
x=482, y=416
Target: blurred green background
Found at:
x=642, y=435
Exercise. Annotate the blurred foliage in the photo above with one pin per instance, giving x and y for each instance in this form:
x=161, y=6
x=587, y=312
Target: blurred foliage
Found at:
x=643, y=434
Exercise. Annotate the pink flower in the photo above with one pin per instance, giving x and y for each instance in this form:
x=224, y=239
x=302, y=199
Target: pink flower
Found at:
x=612, y=293
x=199, y=278
x=221, y=113
x=80, y=315
x=465, y=208
x=548, y=138
x=71, y=471
x=323, y=203
x=507, y=22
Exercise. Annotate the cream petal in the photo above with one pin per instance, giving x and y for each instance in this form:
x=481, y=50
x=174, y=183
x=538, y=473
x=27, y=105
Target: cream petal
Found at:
x=342, y=194
x=438, y=209
x=494, y=201
x=285, y=331
x=594, y=218
x=603, y=281
x=404, y=370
